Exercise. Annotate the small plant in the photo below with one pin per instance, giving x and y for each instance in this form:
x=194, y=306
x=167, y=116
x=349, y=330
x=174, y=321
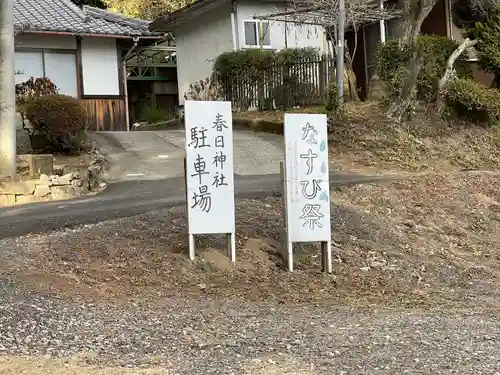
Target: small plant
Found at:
x=58, y=119
x=205, y=89
x=154, y=115
x=332, y=99
x=469, y=99
x=33, y=88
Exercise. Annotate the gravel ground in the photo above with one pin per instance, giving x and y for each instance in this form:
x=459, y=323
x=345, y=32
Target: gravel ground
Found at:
x=210, y=337
x=122, y=293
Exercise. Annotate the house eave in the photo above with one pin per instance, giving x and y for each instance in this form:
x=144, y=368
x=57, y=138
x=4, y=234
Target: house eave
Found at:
x=75, y=33
x=168, y=22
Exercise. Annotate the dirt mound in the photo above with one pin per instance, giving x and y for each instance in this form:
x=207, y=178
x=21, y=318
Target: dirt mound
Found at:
x=216, y=260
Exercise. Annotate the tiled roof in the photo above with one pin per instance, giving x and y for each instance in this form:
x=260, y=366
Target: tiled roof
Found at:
x=64, y=16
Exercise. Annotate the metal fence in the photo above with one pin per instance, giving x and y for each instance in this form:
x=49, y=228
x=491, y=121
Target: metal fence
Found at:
x=281, y=86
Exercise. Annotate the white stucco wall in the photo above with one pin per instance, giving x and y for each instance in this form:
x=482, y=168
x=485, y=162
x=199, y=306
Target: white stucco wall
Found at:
x=100, y=66
x=198, y=43
x=46, y=41
x=291, y=36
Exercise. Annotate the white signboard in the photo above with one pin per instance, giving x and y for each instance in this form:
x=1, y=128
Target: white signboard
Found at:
x=307, y=179
x=209, y=167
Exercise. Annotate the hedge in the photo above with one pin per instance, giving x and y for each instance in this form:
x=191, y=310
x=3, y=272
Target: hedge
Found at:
x=392, y=63
x=473, y=101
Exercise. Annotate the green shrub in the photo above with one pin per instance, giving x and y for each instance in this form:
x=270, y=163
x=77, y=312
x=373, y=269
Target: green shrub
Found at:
x=247, y=73
x=60, y=119
x=154, y=115
x=332, y=100
x=487, y=34
x=473, y=101
x=33, y=88
x=252, y=62
x=392, y=63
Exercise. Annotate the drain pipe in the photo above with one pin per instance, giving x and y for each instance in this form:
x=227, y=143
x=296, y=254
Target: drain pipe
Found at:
x=125, y=88
x=234, y=28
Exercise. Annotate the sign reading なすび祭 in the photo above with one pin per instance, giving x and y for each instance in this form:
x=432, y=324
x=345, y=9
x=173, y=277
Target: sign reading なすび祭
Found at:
x=307, y=179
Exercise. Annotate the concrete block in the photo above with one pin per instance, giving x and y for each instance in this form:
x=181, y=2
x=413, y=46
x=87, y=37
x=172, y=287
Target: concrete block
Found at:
x=62, y=180
x=62, y=192
x=42, y=191
x=40, y=164
x=77, y=182
x=17, y=187
x=23, y=199
x=7, y=200
x=43, y=180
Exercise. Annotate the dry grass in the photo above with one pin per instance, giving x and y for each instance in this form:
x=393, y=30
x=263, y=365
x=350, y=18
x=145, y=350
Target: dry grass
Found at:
x=363, y=140
x=267, y=365
x=38, y=366
x=275, y=116
x=422, y=241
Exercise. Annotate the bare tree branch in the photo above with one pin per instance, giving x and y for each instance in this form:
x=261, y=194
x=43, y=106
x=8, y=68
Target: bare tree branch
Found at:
x=325, y=12
x=449, y=74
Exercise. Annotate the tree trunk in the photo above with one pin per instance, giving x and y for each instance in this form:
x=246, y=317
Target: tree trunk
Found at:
x=351, y=77
x=400, y=108
x=416, y=11
x=7, y=93
x=449, y=74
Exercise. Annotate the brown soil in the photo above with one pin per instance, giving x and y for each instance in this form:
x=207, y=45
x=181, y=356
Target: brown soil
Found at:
x=422, y=241
x=31, y=366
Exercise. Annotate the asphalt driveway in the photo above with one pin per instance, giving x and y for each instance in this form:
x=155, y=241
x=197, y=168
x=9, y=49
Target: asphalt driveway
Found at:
x=152, y=155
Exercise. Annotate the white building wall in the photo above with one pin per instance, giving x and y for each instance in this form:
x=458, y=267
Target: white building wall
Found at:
x=282, y=35
x=198, y=43
x=100, y=66
x=46, y=41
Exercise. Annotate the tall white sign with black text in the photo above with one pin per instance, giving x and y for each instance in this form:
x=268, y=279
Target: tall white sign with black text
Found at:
x=307, y=186
x=209, y=170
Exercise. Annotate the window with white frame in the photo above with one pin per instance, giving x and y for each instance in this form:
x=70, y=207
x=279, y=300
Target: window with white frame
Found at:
x=252, y=33
x=58, y=66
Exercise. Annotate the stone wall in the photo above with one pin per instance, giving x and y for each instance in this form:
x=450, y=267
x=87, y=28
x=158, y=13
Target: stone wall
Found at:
x=70, y=183
x=48, y=188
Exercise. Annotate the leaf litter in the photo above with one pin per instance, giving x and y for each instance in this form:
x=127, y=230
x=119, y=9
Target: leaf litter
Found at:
x=422, y=241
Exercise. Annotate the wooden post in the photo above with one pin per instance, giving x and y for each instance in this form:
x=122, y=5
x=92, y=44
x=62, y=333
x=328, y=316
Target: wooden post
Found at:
x=191, y=238
x=287, y=250
x=231, y=246
x=326, y=257
x=322, y=77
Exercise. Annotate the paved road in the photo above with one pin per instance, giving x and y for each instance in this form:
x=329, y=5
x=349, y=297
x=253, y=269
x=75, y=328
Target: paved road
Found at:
x=151, y=155
x=130, y=198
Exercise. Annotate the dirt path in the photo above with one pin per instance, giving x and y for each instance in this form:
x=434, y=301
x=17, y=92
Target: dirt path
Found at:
x=239, y=337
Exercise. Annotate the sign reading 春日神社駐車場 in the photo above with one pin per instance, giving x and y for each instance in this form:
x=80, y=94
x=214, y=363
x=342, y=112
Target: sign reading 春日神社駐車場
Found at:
x=209, y=167
x=307, y=178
